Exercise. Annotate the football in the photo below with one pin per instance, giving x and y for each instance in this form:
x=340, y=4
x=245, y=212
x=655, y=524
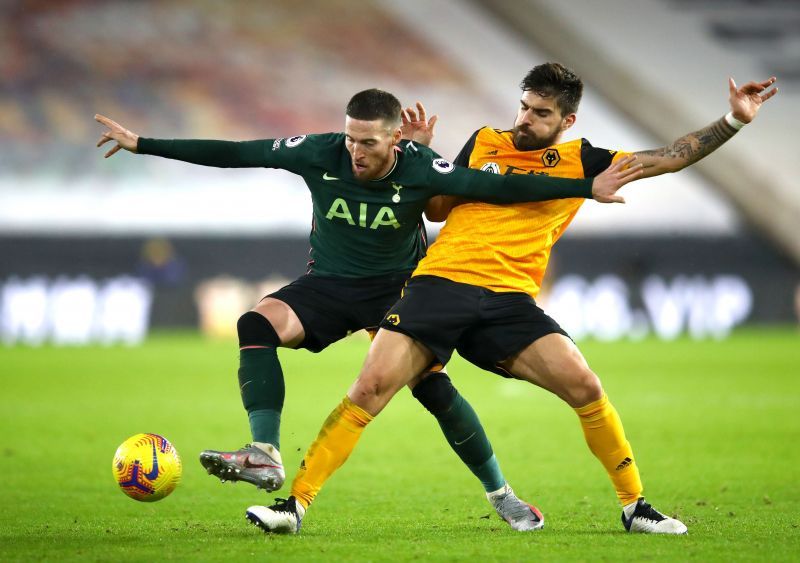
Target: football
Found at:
x=147, y=467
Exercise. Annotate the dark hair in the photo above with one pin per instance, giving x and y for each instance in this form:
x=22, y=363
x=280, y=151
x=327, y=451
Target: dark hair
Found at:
x=374, y=104
x=555, y=80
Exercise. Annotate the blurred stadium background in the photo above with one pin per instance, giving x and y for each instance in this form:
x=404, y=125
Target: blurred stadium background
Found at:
x=98, y=250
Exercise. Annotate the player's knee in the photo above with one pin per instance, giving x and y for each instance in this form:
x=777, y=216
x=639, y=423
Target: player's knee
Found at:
x=435, y=392
x=254, y=329
x=584, y=387
x=371, y=391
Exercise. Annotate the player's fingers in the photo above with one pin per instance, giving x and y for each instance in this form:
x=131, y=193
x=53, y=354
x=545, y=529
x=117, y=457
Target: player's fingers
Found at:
x=421, y=110
x=768, y=82
x=113, y=151
x=614, y=198
x=110, y=123
x=622, y=163
x=731, y=85
x=412, y=114
x=751, y=88
x=629, y=165
x=404, y=117
x=432, y=121
x=630, y=174
x=768, y=95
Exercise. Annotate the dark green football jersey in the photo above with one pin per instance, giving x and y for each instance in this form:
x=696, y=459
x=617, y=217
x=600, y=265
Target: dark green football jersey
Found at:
x=367, y=228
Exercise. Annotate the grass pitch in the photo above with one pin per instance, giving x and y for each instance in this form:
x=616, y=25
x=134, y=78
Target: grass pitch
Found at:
x=714, y=426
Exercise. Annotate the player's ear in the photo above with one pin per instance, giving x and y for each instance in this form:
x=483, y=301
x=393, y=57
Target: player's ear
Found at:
x=396, y=136
x=568, y=121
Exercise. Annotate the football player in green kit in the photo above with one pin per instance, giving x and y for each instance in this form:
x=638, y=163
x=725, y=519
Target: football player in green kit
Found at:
x=369, y=189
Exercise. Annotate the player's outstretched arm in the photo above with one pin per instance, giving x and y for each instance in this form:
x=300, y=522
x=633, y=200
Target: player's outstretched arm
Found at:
x=604, y=188
x=745, y=102
x=221, y=154
x=124, y=138
x=416, y=126
x=445, y=178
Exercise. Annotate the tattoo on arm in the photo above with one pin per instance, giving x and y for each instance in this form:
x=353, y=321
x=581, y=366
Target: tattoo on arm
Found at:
x=694, y=146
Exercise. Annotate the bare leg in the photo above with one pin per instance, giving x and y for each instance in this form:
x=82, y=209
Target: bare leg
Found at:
x=553, y=362
x=283, y=319
x=394, y=360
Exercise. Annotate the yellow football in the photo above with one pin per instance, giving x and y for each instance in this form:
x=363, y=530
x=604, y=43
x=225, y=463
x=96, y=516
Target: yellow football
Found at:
x=147, y=467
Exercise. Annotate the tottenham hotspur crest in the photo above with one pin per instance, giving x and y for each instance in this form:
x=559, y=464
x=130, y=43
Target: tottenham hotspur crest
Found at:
x=396, y=196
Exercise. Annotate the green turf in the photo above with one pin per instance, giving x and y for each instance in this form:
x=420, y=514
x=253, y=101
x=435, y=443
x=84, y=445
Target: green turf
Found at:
x=714, y=425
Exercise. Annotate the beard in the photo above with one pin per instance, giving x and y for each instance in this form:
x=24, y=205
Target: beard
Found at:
x=526, y=140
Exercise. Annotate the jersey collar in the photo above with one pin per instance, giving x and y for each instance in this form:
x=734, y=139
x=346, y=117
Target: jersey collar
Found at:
x=397, y=151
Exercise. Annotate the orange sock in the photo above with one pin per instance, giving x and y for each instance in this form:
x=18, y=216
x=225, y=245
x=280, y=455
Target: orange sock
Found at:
x=605, y=436
x=333, y=445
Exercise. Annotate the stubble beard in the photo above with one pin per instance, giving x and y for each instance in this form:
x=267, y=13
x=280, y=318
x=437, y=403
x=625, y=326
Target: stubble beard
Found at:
x=526, y=141
x=371, y=173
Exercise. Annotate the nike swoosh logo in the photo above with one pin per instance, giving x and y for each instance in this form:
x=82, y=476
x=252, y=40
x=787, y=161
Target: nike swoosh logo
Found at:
x=154, y=473
x=325, y=176
x=250, y=465
x=134, y=480
x=464, y=440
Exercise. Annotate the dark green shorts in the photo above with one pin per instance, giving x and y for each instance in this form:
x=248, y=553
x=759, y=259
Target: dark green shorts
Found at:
x=331, y=308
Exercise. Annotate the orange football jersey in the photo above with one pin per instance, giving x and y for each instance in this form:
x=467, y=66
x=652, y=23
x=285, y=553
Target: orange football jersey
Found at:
x=507, y=247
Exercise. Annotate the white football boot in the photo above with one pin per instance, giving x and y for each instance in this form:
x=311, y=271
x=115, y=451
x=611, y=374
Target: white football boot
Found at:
x=283, y=517
x=642, y=518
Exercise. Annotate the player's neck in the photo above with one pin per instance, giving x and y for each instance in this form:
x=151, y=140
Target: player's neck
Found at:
x=390, y=166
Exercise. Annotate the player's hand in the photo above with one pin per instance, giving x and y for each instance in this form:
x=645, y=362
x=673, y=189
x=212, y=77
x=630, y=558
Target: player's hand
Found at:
x=125, y=139
x=746, y=100
x=605, y=185
x=416, y=126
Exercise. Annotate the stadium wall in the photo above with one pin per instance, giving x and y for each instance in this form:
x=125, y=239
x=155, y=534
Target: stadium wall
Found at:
x=72, y=290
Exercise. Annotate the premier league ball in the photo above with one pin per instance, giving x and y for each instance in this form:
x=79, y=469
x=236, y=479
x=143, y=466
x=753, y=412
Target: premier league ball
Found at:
x=147, y=467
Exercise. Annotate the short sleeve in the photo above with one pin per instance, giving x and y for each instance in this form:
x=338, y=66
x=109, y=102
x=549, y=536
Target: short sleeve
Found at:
x=596, y=159
x=463, y=156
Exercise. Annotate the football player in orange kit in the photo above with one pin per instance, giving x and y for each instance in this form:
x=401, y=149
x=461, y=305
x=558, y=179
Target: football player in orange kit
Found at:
x=474, y=292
